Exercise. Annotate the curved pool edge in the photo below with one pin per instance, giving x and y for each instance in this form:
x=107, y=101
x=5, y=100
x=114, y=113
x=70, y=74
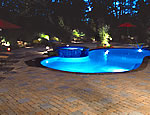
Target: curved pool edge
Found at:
x=143, y=64
x=56, y=62
x=120, y=48
x=36, y=63
x=140, y=68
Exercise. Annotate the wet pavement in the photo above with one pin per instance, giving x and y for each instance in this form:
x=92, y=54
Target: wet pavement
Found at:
x=30, y=90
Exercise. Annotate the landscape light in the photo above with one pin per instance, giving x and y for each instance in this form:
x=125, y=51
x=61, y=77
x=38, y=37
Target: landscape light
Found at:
x=39, y=39
x=46, y=37
x=8, y=49
x=47, y=47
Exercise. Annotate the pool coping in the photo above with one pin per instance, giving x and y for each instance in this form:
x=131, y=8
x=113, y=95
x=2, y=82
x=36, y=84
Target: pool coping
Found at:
x=37, y=63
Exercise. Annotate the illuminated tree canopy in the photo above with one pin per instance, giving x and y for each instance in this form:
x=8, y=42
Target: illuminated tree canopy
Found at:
x=64, y=15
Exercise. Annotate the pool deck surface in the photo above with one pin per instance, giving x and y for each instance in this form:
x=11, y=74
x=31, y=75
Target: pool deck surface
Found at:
x=28, y=90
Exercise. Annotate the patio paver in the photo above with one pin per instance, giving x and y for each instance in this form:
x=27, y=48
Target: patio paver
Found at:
x=39, y=91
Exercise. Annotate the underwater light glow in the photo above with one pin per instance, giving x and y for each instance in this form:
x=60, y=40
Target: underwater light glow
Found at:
x=139, y=50
x=99, y=61
x=120, y=70
x=107, y=51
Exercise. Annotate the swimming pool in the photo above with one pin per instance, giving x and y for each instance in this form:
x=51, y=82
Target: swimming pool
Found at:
x=100, y=61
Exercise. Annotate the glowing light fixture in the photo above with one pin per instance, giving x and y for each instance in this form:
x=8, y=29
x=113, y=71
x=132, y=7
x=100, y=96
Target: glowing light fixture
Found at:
x=139, y=50
x=47, y=47
x=28, y=47
x=39, y=39
x=107, y=51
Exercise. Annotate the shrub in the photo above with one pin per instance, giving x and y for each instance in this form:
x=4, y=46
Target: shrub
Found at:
x=104, y=35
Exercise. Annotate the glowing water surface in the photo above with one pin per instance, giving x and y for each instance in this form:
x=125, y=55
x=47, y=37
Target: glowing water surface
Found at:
x=100, y=61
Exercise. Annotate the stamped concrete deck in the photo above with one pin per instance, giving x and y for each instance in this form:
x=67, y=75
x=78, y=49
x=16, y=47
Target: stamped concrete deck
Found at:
x=27, y=90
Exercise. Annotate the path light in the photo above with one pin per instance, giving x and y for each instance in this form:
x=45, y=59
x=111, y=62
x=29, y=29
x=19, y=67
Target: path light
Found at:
x=47, y=47
x=131, y=38
x=8, y=49
x=28, y=47
x=39, y=39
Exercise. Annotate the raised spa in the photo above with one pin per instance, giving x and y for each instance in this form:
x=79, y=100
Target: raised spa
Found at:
x=99, y=61
x=72, y=51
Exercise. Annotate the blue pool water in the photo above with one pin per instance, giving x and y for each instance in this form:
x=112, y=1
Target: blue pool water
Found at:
x=100, y=61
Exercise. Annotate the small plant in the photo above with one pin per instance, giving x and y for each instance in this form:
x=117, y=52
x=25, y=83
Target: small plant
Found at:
x=55, y=39
x=36, y=42
x=93, y=39
x=4, y=42
x=104, y=36
x=21, y=43
x=42, y=35
x=77, y=35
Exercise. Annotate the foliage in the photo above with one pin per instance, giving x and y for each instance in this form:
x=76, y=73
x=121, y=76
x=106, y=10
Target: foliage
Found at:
x=36, y=42
x=77, y=35
x=4, y=42
x=42, y=35
x=23, y=43
x=93, y=39
x=55, y=38
x=104, y=35
x=41, y=38
x=69, y=13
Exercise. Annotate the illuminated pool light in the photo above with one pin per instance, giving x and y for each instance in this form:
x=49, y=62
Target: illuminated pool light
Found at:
x=107, y=51
x=99, y=61
x=140, y=50
x=120, y=70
